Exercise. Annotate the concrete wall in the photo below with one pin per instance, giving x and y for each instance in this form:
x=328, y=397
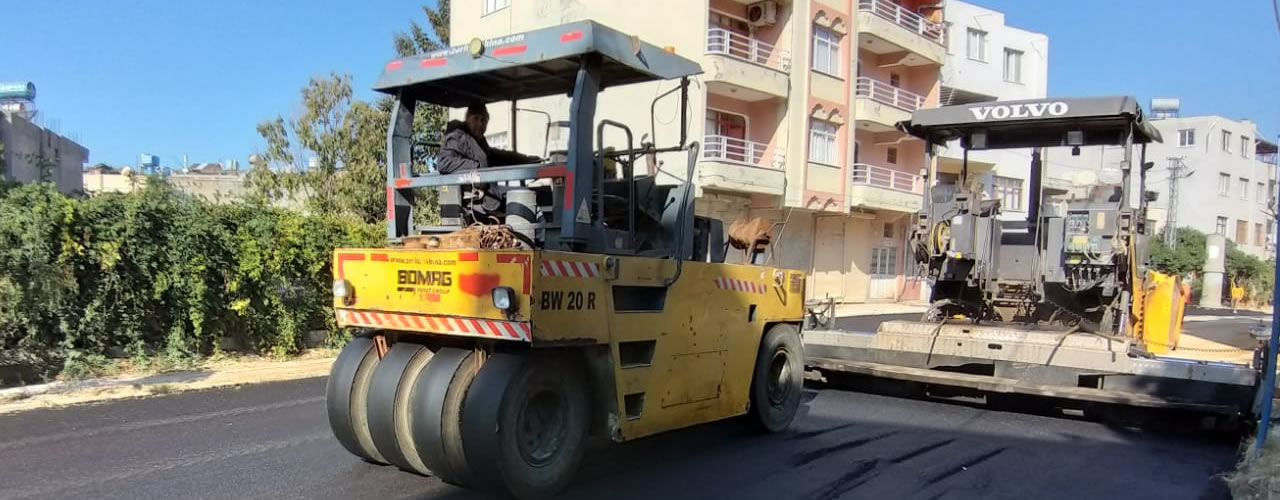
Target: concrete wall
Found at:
x=26, y=145
x=988, y=77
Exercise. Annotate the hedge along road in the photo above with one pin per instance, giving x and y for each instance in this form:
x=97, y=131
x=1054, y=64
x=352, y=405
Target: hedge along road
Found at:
x=272, y=441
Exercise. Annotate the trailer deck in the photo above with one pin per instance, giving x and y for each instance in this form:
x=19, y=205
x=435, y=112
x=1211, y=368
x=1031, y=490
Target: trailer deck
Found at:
x=1034, y=361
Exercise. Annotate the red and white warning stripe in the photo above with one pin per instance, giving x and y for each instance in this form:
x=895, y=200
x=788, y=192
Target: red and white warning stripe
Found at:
x=452, y=325
x=570, y=269
x=738, y=285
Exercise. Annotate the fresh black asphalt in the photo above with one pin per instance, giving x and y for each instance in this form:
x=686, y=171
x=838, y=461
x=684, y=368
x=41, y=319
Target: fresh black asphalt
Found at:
x=271, y=441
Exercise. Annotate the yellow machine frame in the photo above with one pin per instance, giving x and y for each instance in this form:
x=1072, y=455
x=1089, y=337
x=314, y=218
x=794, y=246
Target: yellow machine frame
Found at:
x=678, y=355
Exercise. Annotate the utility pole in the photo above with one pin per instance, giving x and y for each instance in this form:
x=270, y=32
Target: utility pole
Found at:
x=1177, y=170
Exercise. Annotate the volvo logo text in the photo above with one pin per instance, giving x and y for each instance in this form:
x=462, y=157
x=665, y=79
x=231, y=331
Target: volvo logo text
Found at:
x=1030, y=110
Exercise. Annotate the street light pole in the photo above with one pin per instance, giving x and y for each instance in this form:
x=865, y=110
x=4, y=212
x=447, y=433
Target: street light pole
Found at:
x=1269, y=376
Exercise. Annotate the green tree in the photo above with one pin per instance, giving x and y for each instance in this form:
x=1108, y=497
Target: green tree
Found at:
x=347, y=139
x=1186, y=258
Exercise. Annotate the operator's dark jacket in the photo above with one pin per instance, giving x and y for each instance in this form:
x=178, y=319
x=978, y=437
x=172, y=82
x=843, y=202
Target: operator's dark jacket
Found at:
x=463, y=151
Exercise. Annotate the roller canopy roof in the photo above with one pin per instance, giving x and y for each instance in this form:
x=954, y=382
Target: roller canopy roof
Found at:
x=1035, y=122
x=533, y=64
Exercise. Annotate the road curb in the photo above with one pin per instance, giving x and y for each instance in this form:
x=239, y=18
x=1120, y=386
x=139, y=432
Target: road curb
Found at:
x=63, y=393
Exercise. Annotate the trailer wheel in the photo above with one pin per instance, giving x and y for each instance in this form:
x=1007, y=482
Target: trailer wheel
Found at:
x=390, y=413
x=525, y=421
x=437, y=401
x=346, y=396
x=778, y=380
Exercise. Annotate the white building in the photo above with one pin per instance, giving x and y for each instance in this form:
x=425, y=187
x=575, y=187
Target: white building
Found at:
x=988, y=60
x=1230, y=189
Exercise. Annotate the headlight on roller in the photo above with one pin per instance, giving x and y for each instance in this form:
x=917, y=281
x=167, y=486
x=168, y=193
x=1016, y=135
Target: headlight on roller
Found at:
x=342, y=290
x=504, y=298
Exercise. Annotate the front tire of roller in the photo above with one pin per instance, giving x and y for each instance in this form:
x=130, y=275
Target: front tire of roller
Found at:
x=346, y=396
x=525, y=421
x=778, y=380
x=390, y=412
x=437, y=401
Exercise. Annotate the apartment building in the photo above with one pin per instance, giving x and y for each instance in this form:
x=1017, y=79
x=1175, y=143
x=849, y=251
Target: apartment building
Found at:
x=988, y=60
x=795, y=112
x=1232, y=187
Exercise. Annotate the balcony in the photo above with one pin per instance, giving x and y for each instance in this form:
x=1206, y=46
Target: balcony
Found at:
x=881, y=106
x=745, y=68
x=880, y=188
x=884, y=27
x=734, y=164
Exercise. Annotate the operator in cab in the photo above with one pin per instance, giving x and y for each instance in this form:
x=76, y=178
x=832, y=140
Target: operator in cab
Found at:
x=465, y=148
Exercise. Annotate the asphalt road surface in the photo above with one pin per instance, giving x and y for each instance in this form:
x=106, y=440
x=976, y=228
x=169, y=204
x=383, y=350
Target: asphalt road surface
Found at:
x=271, y=441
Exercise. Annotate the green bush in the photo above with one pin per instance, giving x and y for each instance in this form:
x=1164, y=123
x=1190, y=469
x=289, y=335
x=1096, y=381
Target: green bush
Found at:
x=1188, y=259
x=157, y=272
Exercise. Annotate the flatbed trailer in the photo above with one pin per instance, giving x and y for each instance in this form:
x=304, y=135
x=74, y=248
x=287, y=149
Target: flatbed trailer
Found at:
x=1060, y=364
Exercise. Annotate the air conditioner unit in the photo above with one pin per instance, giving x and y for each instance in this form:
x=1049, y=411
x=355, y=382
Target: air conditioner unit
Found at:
x=763, y=13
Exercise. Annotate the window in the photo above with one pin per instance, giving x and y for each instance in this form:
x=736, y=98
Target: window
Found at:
x=891, y=155
x=1186, y=137
x=1221, y=227
x=1244, y=188
x=1226, y=141
x=1244, y=146
x=1242, y=232
x=977, y=46
x=497, y=140
x=1013, y=66
x=725, y=135
x=721, y=20
x=822, y=142
x=1009, y=191
x=895, y=80
x=1224, y=184
x=888, y=230
x=1262, y=193
x=884, y=261
x=1258, y=238
x=491, y=6
x=826, y=51
x=726, y=124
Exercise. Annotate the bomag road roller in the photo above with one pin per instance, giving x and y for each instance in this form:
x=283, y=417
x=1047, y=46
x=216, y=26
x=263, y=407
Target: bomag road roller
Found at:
x=590, y=305
x=1059, y=303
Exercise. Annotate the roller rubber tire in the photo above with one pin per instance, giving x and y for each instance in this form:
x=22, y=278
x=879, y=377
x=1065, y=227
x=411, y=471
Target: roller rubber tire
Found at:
x=437, y=402
x=778, y=380
x=506, y=405
x=346, y=396
x=389, y=410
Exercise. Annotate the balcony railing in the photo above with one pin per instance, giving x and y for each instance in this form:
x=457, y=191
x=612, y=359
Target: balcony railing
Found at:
x=871, y=175
x=896, y=14
x=887, y=94
x=739, y=46
x=731, y=149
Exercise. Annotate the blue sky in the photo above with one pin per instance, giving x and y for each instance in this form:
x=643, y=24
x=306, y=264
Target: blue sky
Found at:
x=170, y=77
